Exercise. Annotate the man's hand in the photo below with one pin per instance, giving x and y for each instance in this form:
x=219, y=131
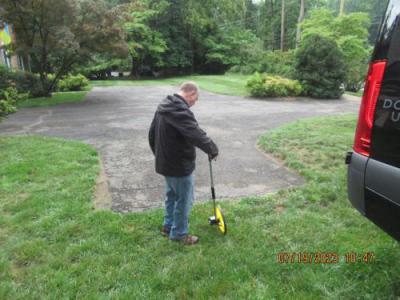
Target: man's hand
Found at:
x=213, y=155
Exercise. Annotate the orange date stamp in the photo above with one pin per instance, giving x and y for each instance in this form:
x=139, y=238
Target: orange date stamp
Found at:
x=324, y=257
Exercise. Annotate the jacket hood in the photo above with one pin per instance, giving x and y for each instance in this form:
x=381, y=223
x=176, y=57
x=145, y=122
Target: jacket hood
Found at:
x=172, y=103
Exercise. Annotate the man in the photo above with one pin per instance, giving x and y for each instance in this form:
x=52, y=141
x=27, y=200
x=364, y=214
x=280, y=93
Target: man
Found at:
x=174, y=134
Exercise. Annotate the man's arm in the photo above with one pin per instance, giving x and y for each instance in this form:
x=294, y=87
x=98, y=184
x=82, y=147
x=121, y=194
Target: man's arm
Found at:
x=186, y=124
x=152, y=135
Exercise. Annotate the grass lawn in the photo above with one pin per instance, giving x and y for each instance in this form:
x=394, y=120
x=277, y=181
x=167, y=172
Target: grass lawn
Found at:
x=57, y=98
x=54, y=245
x=221, y=84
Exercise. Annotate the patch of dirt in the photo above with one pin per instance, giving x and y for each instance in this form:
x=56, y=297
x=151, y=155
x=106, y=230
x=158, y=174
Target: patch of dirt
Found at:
x=279, y=208
x=23, y=196
x=102, y=196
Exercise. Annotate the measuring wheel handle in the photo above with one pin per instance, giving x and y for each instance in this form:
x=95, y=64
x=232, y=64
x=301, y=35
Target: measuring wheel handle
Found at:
x=218, y=217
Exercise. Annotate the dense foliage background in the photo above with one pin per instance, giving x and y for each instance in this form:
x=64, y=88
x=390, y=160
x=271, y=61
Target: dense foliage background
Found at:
x=158, y=38
x=211, y=36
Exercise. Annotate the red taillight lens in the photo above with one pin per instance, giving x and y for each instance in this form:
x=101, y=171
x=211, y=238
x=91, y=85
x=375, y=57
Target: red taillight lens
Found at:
x=372, y=89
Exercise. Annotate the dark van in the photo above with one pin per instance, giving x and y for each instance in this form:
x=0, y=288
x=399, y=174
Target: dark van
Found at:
x=374, y=164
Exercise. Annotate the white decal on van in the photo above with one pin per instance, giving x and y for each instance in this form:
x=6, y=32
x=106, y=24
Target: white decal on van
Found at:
x=395, y=116
x=387, y=103
x=395, y=105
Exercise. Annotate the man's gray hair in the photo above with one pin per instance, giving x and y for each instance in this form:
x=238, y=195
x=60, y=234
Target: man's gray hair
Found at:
x=189, y=87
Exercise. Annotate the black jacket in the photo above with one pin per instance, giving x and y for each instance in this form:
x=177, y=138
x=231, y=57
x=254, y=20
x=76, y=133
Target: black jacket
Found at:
x=173, y=135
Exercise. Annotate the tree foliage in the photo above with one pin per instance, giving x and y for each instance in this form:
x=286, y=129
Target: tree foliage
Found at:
x=56, y=34
x=320, y=67
x=351, y=34
x=146, y=43
x=168, y=37
x=211, y=36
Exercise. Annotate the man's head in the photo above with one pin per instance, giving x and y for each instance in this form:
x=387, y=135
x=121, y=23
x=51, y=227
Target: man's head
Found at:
x=190, y=92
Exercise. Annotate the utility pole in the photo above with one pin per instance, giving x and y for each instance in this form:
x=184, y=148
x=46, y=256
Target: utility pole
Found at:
x=283, y=26
x=272, y=15
x=301, y=18
x=341, y=10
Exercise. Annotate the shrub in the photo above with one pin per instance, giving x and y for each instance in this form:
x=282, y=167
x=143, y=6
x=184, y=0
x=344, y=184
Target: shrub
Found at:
x=279, y=63
x=246, y=69
x=272, y=62
x=73, y=83
x=255, y=85
x=28, y=83
x=8, y=100
x=320, y=67
x=6, y=78
x=264, y=85
x=24, y=82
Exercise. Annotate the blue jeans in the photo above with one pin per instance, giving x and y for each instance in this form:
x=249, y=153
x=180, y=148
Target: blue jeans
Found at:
x=178, y=203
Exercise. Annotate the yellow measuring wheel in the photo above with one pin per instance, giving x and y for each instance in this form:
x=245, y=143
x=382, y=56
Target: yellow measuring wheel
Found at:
x=218, y=217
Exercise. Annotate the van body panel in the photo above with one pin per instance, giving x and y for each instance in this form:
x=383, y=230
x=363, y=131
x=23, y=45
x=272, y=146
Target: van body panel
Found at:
x=374, y=180
x=355, y=181
x=383, y=179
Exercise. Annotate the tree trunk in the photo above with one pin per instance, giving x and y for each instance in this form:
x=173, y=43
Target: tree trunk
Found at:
x=45, y=91
x=301, y=18
x=272, y=24
x=283, y=26
x=244, y=12
x=135, y=69
x=341, y=10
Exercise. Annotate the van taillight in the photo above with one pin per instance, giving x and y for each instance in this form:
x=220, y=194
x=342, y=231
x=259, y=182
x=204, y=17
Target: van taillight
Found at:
x=372, y=89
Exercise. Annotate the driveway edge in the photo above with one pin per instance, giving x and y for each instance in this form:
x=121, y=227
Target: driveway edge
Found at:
x=102, y=196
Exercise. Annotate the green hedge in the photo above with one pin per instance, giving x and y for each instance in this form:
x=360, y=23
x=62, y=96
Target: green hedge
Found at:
x=272, y=62
x=23, y=82
x=264, y=85
x=8, y=100
x=320, y=67
x=73, y=83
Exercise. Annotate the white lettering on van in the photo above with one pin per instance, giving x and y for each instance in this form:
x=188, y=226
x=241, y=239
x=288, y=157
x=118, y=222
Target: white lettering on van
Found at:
x=387, y=103
x=395, y=116
x=393, y=105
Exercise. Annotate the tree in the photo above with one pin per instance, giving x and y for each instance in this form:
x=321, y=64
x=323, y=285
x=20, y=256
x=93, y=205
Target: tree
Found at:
x=341, y=9
x=146, y=44
x=319, y=21
x=56, y=34
x=272, y=15
x=299, y=21
x=320, y=67
x=100, y=66
x=231, y=47
x=283, y=25
x=351, y=35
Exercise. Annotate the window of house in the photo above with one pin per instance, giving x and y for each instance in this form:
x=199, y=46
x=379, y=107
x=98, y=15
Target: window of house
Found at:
x=5, y=59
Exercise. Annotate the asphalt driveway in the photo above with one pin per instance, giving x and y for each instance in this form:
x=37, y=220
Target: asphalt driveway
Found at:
x=115, y=120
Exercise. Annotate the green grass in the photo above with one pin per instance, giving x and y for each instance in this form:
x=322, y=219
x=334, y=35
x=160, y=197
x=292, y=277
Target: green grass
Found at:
x=54, y=245
x=221, y=84
x=57, y=98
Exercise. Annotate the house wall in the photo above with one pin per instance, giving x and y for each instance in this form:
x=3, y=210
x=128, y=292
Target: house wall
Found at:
x=7, y=36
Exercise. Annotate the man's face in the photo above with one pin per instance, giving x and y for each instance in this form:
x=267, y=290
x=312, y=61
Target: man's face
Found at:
x=192, y=98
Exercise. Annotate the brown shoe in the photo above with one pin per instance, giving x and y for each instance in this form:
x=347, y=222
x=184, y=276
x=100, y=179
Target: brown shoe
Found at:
x=190, y=239
x=165, y=231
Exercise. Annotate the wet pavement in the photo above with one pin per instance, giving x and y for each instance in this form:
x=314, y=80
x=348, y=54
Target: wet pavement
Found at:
x=115, y=120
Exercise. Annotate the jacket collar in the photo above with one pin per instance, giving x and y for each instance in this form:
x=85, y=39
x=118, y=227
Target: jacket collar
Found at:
x=181, y=98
